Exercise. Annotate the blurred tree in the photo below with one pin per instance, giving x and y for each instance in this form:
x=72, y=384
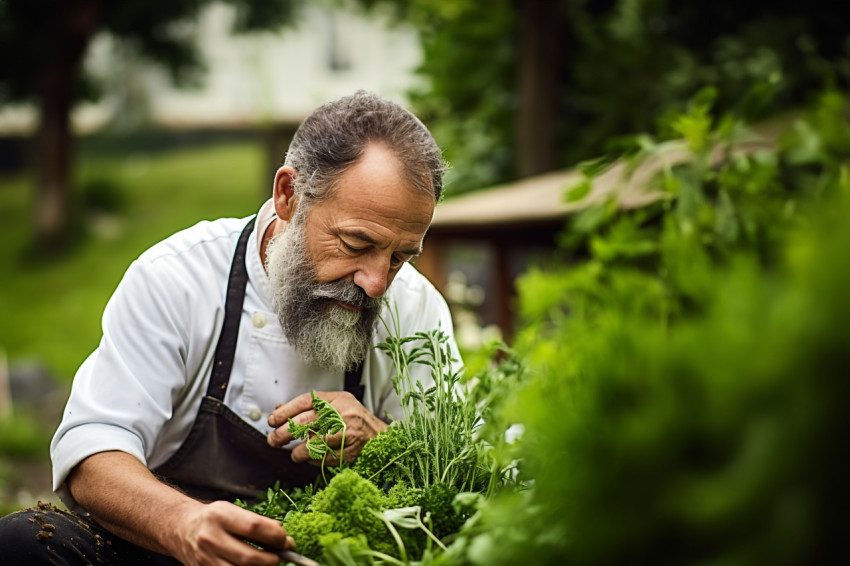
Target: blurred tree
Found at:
x=44, y=43
x=520, y=86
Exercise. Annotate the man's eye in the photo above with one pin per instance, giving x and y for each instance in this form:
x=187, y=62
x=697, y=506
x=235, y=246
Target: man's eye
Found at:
x=397, y=261
x=349, y=248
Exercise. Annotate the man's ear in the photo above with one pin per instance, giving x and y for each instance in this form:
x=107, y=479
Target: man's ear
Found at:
x=284, y=197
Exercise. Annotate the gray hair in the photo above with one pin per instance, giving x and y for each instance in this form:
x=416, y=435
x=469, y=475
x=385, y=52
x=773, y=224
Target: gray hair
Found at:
x=335, y=135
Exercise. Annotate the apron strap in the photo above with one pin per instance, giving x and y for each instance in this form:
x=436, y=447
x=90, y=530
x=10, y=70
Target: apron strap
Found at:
x=352, y=382
x=226, y=348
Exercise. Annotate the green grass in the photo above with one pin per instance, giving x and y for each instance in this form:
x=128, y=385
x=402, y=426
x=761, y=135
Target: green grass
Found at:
x=50, y=308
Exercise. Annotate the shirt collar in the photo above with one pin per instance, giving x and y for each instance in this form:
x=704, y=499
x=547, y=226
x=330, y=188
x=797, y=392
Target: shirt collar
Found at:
x=254, y=264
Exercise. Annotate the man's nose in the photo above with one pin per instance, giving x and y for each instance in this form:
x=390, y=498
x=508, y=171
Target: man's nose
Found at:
x=373, y=275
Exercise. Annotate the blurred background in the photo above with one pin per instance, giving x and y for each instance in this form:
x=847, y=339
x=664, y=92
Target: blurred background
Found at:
x=121, y=123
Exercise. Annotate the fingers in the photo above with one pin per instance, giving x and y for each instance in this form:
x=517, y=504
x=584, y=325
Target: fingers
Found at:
x=281, y=436
x=299, y=409
x=361, y=425
x=256, y=528
x=285, y=411
x=301, y=454
x=217, y=535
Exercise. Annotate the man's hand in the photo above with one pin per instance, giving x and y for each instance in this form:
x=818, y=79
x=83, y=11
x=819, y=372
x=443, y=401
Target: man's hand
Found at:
x=126, y=498
x=214, y=533
x=361, y=425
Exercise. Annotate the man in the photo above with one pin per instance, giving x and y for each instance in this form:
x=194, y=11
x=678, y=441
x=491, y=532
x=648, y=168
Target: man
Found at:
x=216, y=336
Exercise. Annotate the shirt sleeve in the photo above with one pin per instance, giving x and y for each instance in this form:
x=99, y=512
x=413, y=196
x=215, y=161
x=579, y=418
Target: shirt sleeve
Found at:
x=123, y=393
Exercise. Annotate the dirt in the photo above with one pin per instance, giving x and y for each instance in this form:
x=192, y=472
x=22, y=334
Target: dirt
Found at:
x=43, y=511
x=47, y=529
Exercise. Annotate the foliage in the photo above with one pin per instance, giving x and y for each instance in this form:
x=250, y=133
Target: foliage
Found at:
x=399, y=501
x=307, y=528
x=352, y=501
x=475, y=130
x=492, y=377
x=438, y=422
x=401, y=495
x=348, y=515
x=328, y=422
x=51, y=38
x=626, y=66
x=694, y=354
x=379, y=460
x=438, y=502
x=279, y=502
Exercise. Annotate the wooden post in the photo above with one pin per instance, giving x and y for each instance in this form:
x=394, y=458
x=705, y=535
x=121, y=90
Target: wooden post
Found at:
x=432, y=261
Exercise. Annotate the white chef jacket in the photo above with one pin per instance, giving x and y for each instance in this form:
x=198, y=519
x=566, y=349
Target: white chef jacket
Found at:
x=140, y=390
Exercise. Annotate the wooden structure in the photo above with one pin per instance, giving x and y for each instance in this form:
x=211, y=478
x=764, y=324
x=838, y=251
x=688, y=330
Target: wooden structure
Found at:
x=509, y=225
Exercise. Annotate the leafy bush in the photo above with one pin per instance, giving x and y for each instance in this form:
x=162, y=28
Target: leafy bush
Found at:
x=689, y=374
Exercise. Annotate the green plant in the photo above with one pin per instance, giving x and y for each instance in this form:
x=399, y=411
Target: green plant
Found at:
x=348, y=513
x=438, y=422
x=279, y=502
x=380, y=459
x=694, y=353
x=437, y=502
x=398, y=502
x=328, y=423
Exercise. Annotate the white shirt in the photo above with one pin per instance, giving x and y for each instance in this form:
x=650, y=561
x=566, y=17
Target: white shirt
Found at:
x=140, y=390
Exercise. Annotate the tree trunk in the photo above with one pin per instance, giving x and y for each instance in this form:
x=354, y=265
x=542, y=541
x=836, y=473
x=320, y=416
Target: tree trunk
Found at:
x=540, y=38
x=52, y=206
x=53, y=196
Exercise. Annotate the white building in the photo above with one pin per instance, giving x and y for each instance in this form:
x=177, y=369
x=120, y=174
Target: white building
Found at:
x=253, y=79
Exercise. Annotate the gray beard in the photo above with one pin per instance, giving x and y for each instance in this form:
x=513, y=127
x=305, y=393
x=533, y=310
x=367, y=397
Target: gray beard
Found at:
x=324, y=333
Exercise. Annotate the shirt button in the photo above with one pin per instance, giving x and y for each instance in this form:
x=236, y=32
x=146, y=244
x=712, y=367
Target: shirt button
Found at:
x=255, y=414
x=259, y=319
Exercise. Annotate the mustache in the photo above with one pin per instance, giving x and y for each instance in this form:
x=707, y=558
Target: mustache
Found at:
x=347, y=292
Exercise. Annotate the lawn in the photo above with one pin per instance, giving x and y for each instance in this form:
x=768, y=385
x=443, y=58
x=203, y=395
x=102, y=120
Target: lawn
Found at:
x=51, y=308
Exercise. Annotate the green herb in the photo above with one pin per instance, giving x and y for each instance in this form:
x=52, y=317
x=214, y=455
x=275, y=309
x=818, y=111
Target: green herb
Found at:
x=381, y=460
x=328, y=423
x=349, y=505
x=279, y=502
x=439, y=423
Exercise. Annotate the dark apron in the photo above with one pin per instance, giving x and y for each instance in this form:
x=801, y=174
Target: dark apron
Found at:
x=224, y=457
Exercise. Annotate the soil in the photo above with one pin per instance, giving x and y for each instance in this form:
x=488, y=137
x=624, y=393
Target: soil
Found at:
x=47, y=529
x=41, y=514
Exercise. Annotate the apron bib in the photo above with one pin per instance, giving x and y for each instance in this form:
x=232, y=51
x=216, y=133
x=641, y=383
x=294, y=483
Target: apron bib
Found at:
x=224, y=457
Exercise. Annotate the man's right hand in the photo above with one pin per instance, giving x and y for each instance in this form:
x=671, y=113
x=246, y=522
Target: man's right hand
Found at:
x=215, y=533
x=126, y=498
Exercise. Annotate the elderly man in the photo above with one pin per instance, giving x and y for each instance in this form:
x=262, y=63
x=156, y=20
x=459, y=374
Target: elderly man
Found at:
x=216, y=336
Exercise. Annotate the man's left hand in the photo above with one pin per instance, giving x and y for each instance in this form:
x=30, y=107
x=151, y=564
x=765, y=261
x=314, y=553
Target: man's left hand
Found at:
x=361, y=425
